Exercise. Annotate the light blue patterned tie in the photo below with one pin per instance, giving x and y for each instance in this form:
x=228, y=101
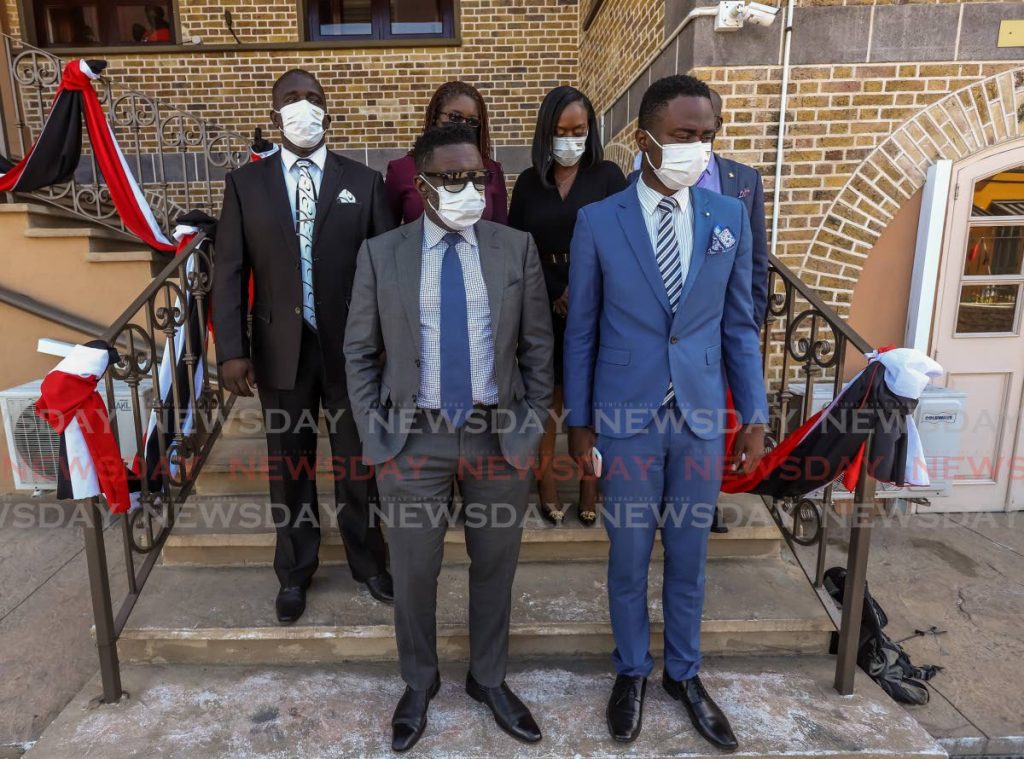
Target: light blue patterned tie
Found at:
x=305, y=217
x=669, y=264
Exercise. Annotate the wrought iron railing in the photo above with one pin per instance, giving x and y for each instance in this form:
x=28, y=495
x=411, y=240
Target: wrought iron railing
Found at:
x=178, y=158
x=806, y=346
x=166, y=324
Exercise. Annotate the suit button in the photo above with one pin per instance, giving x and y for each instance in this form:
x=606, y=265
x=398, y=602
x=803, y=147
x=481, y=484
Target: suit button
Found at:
x=298, y=311
x=674, y=340
x=417, y=362
x=414, y=399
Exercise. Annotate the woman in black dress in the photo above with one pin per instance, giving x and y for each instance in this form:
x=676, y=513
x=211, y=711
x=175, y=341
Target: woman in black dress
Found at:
x=568, y=172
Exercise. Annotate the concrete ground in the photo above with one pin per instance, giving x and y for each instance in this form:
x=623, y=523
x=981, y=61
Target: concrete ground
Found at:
x=963, y=574
x=781, y=707
x=46, y=651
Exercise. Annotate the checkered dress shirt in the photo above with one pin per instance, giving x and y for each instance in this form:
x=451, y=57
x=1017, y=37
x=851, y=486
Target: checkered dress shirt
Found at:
x=481, y=338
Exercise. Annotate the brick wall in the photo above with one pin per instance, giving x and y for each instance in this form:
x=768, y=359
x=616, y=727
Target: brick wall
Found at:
x=850, y=121
x=513, y=51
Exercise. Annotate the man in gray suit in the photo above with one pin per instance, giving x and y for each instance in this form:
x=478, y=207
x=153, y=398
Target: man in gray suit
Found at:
x=448, y=351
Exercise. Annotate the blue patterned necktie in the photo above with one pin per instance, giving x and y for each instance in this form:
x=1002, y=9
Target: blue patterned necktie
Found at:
x=305, y=217
x=456, y=373
x=669, y=264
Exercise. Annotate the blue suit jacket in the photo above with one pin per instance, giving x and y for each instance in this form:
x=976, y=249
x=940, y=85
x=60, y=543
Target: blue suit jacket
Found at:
x=744, y=182
x=622, y=343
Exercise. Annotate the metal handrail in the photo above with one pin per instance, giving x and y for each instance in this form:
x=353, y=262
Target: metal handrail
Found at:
x=171, y=310
x=814, y=347
x=176, y=156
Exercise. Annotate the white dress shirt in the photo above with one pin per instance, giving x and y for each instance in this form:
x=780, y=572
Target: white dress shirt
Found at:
x=682, y=216
x=481, y=338
x=291, y=172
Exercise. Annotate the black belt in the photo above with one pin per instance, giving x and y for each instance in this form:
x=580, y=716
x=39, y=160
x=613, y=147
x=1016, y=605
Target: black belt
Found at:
x=476, y=407
x=555, y=258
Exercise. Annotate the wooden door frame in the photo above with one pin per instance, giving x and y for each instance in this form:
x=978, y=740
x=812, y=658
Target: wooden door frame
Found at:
x=954, y=228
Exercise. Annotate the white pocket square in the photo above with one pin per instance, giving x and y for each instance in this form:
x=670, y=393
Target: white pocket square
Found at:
x=346, y=197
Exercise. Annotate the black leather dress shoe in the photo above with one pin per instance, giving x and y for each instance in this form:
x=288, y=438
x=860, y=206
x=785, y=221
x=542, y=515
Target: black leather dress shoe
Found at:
x=381, y=588
x=625, y=713
x=704, y=713
x=718, y=525
x=410, y=717
x=290, y=604
x=509, y=712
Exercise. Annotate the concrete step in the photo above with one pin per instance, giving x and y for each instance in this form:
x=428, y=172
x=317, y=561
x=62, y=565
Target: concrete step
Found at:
x=226, y=615
x=239, y=531
x=780, y=707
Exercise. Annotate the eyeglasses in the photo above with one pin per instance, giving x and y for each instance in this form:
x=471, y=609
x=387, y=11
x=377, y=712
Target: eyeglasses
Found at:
x=455, y=181
x=457, y=118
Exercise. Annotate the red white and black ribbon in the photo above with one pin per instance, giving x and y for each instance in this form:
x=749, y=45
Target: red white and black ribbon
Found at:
x=55, y=155
x=91, y=463
x=179, y=409
x=831, y=444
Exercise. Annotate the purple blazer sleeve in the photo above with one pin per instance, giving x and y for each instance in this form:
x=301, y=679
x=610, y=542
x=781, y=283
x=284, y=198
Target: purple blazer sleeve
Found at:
x=399, y=185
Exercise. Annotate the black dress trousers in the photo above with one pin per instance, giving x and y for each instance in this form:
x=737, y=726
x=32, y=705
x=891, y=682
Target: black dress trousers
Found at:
x=291, y=418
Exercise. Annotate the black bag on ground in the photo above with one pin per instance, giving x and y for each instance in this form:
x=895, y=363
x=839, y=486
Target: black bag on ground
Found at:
x=882, y=658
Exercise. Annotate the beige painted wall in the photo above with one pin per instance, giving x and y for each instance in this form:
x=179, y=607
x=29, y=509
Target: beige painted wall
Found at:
x=879, y=307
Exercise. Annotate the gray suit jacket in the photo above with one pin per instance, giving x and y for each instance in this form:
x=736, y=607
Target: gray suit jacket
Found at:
x=382, y=339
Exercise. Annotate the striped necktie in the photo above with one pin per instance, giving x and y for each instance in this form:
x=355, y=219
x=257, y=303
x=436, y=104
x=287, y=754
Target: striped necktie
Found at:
x=305, y=217
x=669, y=264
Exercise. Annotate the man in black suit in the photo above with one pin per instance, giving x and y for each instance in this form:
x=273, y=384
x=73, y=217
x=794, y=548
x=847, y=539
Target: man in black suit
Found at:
x=296, y=221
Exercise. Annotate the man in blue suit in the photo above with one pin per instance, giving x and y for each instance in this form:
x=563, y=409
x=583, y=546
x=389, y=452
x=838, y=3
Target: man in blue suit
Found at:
x=660, y=322
x=737, y=180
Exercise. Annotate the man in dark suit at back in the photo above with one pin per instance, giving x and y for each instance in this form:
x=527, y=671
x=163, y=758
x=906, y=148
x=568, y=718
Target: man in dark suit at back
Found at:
x=296, y=221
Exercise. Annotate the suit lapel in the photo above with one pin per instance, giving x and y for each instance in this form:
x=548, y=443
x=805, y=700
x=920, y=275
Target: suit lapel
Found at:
x=728, y=178
x=492, y=266
x=632, y=220
x=408, y=260
x=701, y=235
x=279, y=200
x=333, y=169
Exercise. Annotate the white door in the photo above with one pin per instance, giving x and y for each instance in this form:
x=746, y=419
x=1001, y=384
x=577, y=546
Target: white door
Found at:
x=977, y=328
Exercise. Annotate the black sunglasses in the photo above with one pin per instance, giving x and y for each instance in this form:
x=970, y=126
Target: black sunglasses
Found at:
x=455, y=181
x=457, y=118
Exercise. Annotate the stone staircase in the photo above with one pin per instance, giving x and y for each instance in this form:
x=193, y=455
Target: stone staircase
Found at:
x=211, y=599
x=88, y=272
x=202, y=647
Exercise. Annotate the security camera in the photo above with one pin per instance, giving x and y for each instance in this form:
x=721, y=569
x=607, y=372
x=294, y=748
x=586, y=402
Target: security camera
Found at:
x=732, y=14
x=760, y=14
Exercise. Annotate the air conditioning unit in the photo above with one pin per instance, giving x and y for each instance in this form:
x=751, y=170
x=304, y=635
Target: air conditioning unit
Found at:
x=34, y=448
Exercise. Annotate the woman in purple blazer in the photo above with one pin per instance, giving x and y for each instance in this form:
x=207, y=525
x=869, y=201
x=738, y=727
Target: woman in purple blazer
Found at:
x=455, y=102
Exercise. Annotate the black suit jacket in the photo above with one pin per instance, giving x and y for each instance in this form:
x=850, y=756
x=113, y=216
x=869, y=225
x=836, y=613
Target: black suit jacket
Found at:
x=256, y=233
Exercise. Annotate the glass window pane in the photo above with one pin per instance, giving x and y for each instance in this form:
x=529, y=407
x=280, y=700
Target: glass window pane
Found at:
x=71, y=25
x=994, y=250
x=416, y=17
x=145, y=23
x=1001, y=194
x=987, y=308
x=340, y=18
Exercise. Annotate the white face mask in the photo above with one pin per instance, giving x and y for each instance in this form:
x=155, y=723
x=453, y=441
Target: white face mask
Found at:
x=459, y=210
x=682, y=163
x=568, y=150
x=303, y=123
